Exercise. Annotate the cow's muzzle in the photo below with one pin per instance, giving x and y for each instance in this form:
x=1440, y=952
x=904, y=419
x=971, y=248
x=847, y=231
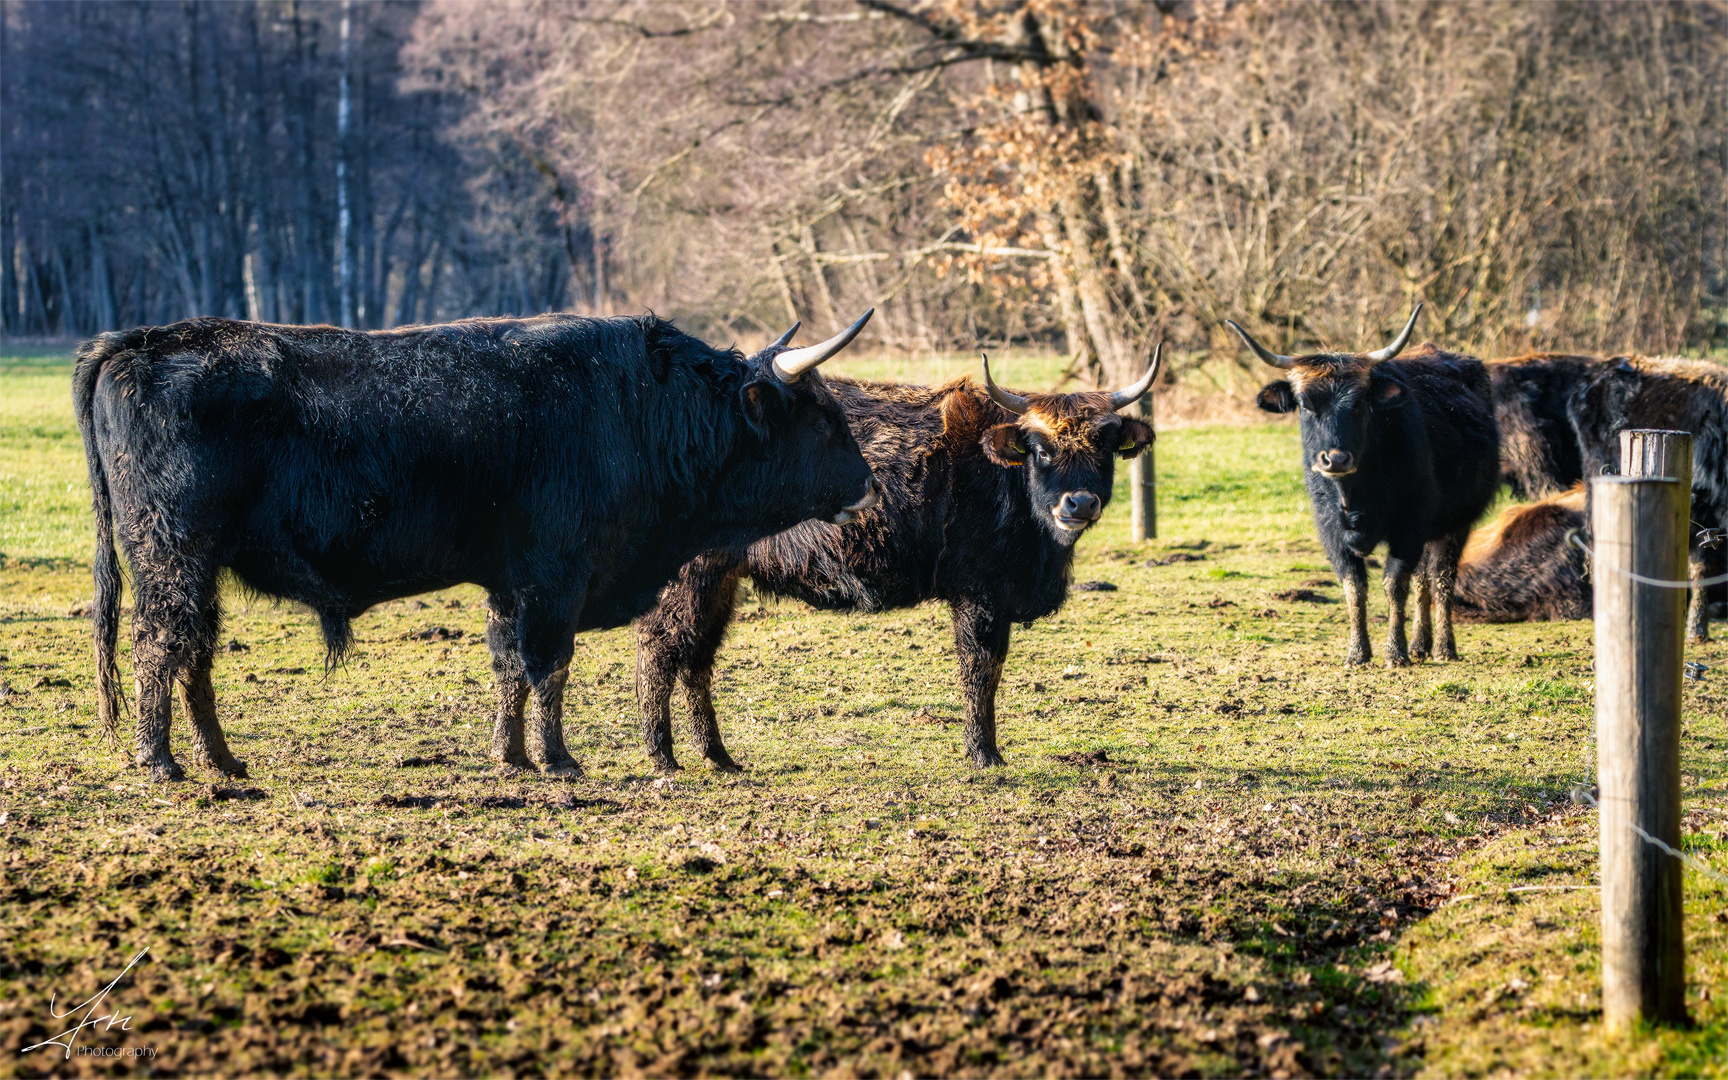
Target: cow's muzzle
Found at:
x=1077, y=510
x=1335, y=463
x=872, y=496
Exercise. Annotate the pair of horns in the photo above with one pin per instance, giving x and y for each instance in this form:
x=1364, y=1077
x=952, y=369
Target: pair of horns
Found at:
x=1119, y=399
x=789, y=366
x=1374, y=357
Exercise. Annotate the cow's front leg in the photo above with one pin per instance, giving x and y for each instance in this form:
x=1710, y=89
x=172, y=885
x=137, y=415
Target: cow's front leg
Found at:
x=1397, y=581
x=981, y=643
x=546, y=628
x=511, y=681
x=1354, y=578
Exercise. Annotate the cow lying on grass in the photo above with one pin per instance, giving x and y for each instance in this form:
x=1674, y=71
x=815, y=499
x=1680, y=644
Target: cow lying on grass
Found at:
x=567, y=465
x=1521, y=568
x=984, y=493
x=1400, y=452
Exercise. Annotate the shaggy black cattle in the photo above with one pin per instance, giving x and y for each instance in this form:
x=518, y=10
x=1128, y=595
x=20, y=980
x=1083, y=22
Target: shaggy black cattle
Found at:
x=1677, y=395
x=1521, y=567
x=1539, y=453
x=568, y=465
x=1400, y=452
x=984, y=493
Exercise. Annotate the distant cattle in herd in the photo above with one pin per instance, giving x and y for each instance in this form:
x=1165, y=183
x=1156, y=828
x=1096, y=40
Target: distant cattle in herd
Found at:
x=984, y=494
x=568, y=465
x=1561, y=418
x=1396, y=452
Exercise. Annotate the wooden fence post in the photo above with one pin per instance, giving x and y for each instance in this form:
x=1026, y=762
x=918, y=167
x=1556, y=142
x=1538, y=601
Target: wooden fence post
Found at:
x=1639, y=525
x=1143, y=483
x=1655, y=452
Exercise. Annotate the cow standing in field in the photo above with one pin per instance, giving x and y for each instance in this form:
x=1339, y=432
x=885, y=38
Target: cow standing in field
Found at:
x=984, y=494
x=1560, y=422
x=1400, y=452
x=567, y=465
x=1678, y=395
x=1539, y=453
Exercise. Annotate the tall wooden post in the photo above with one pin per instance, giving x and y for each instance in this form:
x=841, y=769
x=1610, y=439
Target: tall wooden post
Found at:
x=1639, y=525
x=1143, y=482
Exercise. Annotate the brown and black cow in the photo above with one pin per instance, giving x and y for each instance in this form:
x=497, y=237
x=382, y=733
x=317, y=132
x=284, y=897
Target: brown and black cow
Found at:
x=1523, y=567
x=984, y=493
x=1394, y=452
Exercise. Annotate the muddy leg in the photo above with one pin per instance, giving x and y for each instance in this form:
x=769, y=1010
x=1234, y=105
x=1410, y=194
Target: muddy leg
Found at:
x=173, y=625
x=546, y=629
x=1698, y=607
x=1397, y=581
x=1355, y=582
x=511, y=681
x=981, y=644
x=1422, y=645
x=1443, y=563
x=679, y=637
x=209, y=748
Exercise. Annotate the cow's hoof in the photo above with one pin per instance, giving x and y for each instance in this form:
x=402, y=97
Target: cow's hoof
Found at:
x=165, y=770
x=1697, y=639
x=562, y=770
x=1449, y=654
x=665, y=765
x=511, y=761
x=987, y=759
x=230, y=767
x=1358, y=659
x=1397, y=661
x=724, y=763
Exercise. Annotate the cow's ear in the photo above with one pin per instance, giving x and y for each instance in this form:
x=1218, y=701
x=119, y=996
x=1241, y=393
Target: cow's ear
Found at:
x=1387, y=392
x=758, y=397
x=1005, y=444
x=1276, y=397
x=1134, y=437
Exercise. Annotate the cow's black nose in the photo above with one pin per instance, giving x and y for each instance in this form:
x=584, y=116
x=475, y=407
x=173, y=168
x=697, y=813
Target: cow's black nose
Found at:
x=1080, y=504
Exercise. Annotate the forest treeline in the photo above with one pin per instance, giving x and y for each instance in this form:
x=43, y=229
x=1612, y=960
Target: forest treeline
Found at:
x=1090, y=176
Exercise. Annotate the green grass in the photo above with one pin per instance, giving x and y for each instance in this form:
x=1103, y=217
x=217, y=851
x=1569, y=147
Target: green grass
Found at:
x=1220, y=895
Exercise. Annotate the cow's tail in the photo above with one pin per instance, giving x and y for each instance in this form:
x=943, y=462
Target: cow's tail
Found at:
x=105, y=610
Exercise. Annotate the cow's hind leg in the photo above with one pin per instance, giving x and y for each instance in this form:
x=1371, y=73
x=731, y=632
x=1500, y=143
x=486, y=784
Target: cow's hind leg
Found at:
x=1443, y=556
x=1698, y=607
x=981, y=644
x=678, y=638
x=172, y=626
x=209, y=748
x=546, y=628
x=511, y=680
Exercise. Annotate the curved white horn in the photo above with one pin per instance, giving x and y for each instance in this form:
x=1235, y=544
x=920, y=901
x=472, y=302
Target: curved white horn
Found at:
x=784, y=339
x=1260, y=350
x=1014, y=403
x=791, y=365
x=1397, y=346
x=1121, y=399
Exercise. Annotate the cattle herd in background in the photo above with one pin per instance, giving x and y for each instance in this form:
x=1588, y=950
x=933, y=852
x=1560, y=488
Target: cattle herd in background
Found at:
x=589, y=472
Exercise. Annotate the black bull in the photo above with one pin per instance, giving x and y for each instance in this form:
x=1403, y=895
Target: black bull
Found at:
x=984, y=493
x=1400, y=452
x=567, y=465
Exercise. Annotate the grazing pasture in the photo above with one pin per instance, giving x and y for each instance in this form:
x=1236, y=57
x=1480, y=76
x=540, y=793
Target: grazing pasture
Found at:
x=1213, y=850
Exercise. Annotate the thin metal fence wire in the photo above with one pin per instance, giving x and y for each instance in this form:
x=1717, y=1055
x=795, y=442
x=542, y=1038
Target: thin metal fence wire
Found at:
x=1573, y=539
x=1690, y=862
